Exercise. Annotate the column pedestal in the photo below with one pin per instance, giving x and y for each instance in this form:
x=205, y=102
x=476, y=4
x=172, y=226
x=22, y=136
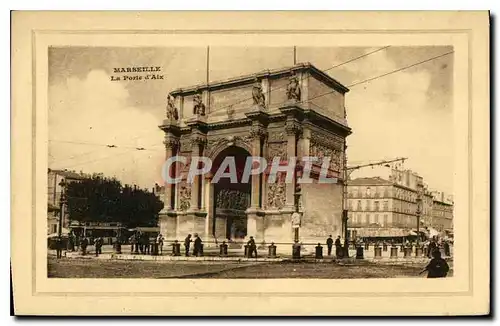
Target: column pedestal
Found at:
x=192, y=222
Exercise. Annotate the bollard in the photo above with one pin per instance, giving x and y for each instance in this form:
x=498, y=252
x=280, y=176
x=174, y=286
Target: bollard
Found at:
x=176, y=248
x=118, y=247
x=319, y=252
x=394, y=252
x=384, y=247
x=418, y=251
x=272, y=250
x=246, y=251
x=154, y=249
x=296, y=251
x=378, y=252
x=223, y=249
x=359, y=253
x=407, y=252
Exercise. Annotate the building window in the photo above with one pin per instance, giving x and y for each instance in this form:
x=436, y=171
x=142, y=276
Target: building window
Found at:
x=386, y=205
x=368, y=205
x=367, y=219
x=386, y=220
x=358, y=218
x=368, y=191
x=359, y=205
x=376, y=219
x=377, y=206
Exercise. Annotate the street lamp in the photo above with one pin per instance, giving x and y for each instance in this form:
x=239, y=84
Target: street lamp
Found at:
x=62, y=201
x=296, y=195
x=418, y=213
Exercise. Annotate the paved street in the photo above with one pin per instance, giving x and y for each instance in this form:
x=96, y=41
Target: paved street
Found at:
x=93, y=268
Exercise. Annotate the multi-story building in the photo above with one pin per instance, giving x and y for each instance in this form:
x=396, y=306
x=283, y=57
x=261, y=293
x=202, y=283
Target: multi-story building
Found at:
x=384, y=207
x=54, y=190
x=442, y=211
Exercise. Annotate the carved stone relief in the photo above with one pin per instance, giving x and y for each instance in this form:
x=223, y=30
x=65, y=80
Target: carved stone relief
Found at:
x=276, y=136
x=276, y=149
x=232, y=199
x=216, y=144
x=276, y=195
x=322, y=152
x=327, y=145
x=184, y=196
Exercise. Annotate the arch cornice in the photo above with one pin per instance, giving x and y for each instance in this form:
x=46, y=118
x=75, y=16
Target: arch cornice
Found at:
x=216, y=145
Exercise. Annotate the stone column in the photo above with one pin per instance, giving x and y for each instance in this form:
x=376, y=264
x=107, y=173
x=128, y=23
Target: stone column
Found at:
x=196, y=146
x=255, y=218
x=170, y=148
x=293, y=129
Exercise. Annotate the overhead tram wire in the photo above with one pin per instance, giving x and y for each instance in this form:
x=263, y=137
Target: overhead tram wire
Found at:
x=325, y=70
x=103, y=145
x=385, y=74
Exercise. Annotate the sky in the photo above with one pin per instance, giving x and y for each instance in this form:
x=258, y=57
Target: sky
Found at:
x=405, y=114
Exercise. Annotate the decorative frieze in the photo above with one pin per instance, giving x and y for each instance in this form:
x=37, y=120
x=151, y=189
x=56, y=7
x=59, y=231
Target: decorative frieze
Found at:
x=276, y=136
x=276, y=195
x=184, y=196
x=276, y=149
x=232, y=199
x=185, y=143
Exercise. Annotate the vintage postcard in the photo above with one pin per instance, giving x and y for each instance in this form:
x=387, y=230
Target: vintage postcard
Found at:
x=250, y=163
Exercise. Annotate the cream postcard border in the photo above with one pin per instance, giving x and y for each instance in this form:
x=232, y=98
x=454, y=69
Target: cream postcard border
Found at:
x=466, y=292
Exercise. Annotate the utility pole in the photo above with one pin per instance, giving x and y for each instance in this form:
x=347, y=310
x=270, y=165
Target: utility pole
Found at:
x=346, y=173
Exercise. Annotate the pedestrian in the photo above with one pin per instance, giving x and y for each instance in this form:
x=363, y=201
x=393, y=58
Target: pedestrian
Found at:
x=59, y=247
x=84, y=244
x=431, y=248
x=437, y=267
x=187, y=244
x=71, y=242
x=338, y=247
x=159, y=242
x=329, y=244
x=252, y=247
x=133, y=243
x=98, y=242
x=447, y=248
x=197, y=246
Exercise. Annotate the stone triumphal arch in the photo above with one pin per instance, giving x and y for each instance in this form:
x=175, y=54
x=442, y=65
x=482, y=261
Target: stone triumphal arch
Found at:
x=296, y=111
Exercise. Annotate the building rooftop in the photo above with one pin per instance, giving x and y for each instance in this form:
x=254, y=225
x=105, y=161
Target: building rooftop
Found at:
x=369, y=181
x=244, y=79
x=68, y=174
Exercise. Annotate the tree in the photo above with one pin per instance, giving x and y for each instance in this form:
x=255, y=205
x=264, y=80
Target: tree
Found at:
x=100, y=199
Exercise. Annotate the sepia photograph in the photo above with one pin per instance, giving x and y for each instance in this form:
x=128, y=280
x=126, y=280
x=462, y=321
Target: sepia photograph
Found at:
x=383, y=212
x=333, y=167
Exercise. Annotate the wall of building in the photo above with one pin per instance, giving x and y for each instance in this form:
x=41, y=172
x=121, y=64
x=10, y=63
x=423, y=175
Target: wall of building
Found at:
x=322, y=211
x=331, y=105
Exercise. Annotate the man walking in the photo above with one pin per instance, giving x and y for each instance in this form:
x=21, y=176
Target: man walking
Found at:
x=98, y=245
x=329, y=244
x=197, y=246
x=59, y=247
x=187, y=244
x=252, y=248
x=159, y=241
x=338, y=247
